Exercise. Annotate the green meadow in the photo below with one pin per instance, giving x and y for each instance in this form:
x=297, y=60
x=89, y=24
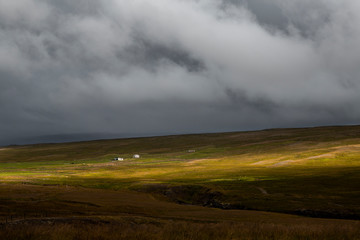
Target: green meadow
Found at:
x=288, y=183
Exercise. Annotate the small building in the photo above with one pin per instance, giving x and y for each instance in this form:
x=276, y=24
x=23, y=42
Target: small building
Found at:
x=136, y=156
x=191, y=151
x=118, y=159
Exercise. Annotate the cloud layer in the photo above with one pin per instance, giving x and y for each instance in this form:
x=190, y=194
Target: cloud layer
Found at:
x=176, y=66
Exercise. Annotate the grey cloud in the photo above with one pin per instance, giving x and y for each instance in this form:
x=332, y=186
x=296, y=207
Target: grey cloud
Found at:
x=267, y=13
x=239, y=99
x=149, y=55
x=155, y=67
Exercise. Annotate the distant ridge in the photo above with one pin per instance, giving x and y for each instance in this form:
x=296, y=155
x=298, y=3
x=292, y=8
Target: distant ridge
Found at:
x=88, y=137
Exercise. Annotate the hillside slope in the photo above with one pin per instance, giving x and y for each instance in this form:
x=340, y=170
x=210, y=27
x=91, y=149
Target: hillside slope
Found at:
x=311, y=171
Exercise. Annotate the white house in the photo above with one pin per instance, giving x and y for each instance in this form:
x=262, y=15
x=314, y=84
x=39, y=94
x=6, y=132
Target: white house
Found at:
x=136, y=156
x=118, y=159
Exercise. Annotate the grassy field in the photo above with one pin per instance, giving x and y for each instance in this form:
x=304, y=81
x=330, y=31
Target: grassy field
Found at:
x=244, y=185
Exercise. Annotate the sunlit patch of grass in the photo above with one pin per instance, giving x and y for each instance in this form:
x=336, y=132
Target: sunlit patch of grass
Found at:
x=241, y=178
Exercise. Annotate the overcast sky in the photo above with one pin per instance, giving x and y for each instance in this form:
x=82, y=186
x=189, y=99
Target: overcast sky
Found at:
x=140, y=67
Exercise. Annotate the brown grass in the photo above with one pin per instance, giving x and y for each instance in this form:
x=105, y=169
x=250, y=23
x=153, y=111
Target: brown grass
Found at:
x=59, y=213
x=177, y=230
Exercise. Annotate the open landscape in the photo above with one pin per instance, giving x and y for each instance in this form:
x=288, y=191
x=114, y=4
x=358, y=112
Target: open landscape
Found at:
x=179, y=120
x=270, y=184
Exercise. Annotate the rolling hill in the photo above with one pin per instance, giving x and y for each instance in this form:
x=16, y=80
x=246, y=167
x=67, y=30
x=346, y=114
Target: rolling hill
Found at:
x=273, y=180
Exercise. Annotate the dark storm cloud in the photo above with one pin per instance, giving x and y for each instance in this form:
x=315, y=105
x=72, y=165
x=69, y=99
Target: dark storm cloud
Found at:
x=174, y=66
x=150, y=55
